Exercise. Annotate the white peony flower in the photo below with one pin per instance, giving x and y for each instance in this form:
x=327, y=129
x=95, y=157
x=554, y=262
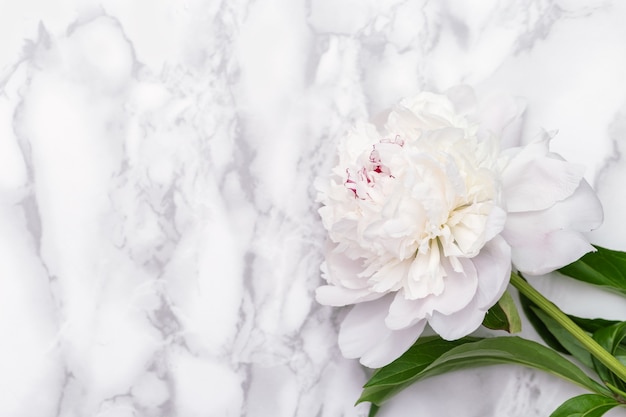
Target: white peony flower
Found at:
x=427, y=217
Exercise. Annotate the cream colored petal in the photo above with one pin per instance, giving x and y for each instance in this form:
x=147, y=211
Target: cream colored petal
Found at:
x=459, y=324
x=534, y=181
x=493, y=266
x=363, y=334
x=546, y=240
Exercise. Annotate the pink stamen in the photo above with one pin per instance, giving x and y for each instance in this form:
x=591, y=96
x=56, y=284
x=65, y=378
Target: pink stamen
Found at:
x=350, y=183
x=364, y=175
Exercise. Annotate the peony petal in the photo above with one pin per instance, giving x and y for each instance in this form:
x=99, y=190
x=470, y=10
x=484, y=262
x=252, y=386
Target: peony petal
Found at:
x=493, y=266
x=460, y=289
x=351, y=146
x=343, y=271
x=390, y=276
x=580, y=212
x=363, y=334
x=425, y=274
x=549, y=239
x=468, y=233
x=534, y=181
x=363, y=327
x=495, y=222
x=392, y=346
x=459, y=324
x=554, y=251
x=403, y=312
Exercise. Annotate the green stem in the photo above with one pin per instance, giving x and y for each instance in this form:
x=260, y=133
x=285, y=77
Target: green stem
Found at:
x=621, y=395
x=553, y=311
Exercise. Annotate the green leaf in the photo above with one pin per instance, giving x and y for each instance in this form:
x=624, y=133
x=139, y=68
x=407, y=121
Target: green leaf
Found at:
x=511, y=350
x=565, y=338
x=605, y=268
x=436, y=356
x=592, y=325
x=612, y=339
x=586, y=405
x=388, y=380
x=504, y=315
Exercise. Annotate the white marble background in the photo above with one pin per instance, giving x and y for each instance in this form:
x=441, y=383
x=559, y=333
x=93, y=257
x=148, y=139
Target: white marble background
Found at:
x=159, y=242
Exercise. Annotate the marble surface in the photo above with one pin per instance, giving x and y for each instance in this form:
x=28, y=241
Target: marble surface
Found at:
x=159, y=240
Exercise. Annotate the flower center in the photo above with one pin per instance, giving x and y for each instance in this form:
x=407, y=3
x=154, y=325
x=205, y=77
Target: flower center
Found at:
x=421, y=209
